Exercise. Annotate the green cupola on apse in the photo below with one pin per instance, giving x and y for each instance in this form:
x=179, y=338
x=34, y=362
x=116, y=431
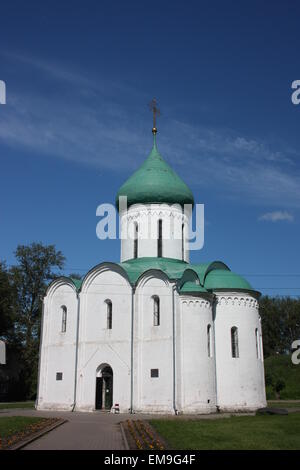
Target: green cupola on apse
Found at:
x=155, y=181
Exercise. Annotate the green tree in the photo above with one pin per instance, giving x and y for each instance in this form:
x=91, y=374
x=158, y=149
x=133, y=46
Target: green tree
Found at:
x=271, y=326
x=6, y=304
x=279, y=386
x=290, y=311
x=37, y=265
x=280, y=324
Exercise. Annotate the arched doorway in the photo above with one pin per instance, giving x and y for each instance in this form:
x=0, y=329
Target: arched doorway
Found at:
x=104, y=388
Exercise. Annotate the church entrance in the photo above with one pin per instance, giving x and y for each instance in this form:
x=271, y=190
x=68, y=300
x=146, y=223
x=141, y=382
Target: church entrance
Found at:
x=104, y=388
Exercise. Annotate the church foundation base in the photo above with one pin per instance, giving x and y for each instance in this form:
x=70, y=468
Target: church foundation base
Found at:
x=54, y=407
x=241, y=408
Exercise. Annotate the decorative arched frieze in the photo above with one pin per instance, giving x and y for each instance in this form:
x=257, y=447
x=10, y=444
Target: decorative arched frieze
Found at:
x=202, y=303
x=248, y=302
x=134, y=213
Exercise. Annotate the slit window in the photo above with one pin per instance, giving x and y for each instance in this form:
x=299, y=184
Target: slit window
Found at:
x=156, y=311
x=234, y=342
x=135, y=241
x=63, y=319
x=182, y=242
x=257, y=343
x=209, y=341
x=159, y=239
x=108, y=314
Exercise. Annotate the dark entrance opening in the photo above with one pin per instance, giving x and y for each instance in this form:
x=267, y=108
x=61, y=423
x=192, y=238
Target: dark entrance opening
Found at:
x=99, y=386
x=104, y=388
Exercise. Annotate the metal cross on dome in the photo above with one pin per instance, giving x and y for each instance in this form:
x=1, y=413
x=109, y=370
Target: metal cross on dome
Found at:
x=156, y=112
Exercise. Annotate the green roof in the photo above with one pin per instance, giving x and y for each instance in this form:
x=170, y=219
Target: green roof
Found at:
x=221, y=279
x=173, y=268
x=192, y=287
x=77, y=282
x=212, y=276
x=206, y=277
x=155, y=182
x=204, y=268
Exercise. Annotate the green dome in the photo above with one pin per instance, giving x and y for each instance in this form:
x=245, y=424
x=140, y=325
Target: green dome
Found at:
x=222, y=279
x=155, y=182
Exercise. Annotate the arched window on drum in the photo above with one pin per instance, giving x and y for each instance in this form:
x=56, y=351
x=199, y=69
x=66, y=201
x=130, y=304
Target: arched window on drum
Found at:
x=136, y=240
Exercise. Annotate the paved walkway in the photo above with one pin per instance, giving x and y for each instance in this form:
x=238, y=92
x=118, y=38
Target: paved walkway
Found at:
x=83, y=431
x=90, y=431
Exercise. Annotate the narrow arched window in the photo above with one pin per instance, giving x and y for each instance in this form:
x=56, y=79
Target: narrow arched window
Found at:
x=182, y=242
x=159, y=239
x=63, y=319
x=257, y=343
x=234, y=342
x=209, y=341
x=135, y=240
x=156, y=311
x=108, y=314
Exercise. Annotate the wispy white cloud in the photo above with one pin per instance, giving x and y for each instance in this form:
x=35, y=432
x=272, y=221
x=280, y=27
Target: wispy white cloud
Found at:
x=235, y=167
x=99, y=123
x=277, y=216
x=73, y=131
x=51, y=69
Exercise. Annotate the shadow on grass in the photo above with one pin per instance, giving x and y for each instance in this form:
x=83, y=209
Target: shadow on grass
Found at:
x=17, y=404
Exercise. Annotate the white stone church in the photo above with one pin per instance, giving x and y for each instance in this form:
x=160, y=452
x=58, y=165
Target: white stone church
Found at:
x=152, y=333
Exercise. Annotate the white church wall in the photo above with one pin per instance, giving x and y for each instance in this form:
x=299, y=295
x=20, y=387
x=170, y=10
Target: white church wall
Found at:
x=240, y=381
x=58, y=348
x=147, y=217
x=153, y=346
x=195, y=357
x=99, y=345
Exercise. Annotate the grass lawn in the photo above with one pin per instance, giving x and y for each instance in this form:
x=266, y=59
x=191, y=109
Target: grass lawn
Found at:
x=234, y=433
x=16, y=428
x=10, y=425
x=17, y=404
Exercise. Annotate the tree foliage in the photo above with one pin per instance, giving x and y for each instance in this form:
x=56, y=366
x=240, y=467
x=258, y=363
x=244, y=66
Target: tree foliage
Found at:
x=280, y=324
x=36, y=267
x=6, y=304
x=75, y=276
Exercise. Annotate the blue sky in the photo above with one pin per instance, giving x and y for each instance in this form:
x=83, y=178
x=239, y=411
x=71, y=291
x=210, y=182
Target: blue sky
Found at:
x=76, y=124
